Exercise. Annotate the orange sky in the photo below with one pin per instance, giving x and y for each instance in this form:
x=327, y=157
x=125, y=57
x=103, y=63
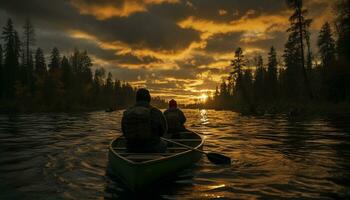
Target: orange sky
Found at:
x=176, y=48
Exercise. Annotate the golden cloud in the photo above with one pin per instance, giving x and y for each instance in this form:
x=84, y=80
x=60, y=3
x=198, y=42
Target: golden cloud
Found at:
x=261, y=24
x=104, y=11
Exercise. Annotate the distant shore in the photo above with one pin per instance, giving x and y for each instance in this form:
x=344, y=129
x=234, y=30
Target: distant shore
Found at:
x=295, y=109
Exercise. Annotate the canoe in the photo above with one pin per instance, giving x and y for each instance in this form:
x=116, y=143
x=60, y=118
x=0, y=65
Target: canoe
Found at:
x=138, y=171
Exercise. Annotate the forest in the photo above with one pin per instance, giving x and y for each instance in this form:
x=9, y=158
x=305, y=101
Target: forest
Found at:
x=31, y=80
x=302, y=78
x=31, y=83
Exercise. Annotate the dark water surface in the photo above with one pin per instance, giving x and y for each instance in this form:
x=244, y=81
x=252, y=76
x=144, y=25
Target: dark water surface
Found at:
x=64, y=156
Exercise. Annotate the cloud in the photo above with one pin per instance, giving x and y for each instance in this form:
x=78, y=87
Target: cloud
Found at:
x=177, y=48
x=114, y=8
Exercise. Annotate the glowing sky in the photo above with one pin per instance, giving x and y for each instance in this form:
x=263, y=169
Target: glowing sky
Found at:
x=176, y=48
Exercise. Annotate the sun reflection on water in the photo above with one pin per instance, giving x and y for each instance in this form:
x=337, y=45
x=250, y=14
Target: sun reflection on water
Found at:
x=204, y=116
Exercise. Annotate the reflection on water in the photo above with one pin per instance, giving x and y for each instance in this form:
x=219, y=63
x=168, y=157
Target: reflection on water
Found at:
x=64, y=156
x=204, y=117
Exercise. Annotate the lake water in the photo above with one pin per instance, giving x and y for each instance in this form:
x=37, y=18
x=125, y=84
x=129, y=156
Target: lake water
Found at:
x=64, y=156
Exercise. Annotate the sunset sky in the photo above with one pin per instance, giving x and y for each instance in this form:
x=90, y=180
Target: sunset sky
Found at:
x=176, y=48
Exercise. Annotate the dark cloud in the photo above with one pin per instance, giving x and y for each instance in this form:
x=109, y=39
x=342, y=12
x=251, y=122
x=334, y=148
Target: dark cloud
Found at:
x=223, y=42
x=132, y=59
x=142, y=30
x=136, y=46
x=145, y=30
x=209, y=9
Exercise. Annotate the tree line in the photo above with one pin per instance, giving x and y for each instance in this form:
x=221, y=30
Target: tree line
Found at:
x=30, y=82
x=302, y=77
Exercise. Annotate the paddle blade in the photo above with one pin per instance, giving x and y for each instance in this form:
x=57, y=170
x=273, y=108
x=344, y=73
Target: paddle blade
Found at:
x=218, y=159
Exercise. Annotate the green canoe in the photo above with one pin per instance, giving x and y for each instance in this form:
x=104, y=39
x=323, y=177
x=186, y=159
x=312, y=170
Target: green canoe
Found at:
x=138, y=171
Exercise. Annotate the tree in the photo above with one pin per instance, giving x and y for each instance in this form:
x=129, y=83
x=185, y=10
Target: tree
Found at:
x=299, y=28
x=67, y=74
x=247, y=87
x=86, y=65
x=343, y=29
x=40, y=64
x=271, y=79
x=343, y=49
x=260, y=79
x=40, y=76
x=54, y=87
x=1, y=73
x=238, y=63
x=55, y=60
x=29, y=39
x=27, y=64
x=326, y=45
x=109, y=90
x=11, y=55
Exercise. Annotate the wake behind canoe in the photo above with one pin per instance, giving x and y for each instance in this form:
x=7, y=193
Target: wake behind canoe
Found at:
x=140, y=170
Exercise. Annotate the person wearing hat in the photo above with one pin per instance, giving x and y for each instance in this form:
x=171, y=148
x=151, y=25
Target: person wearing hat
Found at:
x=175, y=119
x=143, y=125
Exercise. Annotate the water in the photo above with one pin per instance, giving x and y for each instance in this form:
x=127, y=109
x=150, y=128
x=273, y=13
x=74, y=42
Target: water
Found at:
x=64, y=156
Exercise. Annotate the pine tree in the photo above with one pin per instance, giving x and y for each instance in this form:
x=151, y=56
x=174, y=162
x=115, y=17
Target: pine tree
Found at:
x=67, y=74
x=247, y=88
x=27, y=64
x=343, y=29
x=293, y=74
x=237, y=74
x=299, y=29
x=29, y=40
x=55, y=60
x=271, y=79
x=238, y=62
x=40, y=76
x=1, y=73
x=260, y=79
x=40, y=64
x=86, y=65
x=343, y=49
x=11, y=56
x=326, y=45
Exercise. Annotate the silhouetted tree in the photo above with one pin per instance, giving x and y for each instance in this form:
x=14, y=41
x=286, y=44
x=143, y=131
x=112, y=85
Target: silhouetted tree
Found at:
x=299, y=30
x=1, y=73
x=67, y=74
x=68, y=84
x=11, y=56
x=54, y=87
x=260, y=79
x=327, y=52
x=343, y=28
x=343, y=49
x=29, y=42
x=237, y=74
x=55, y=60
x=40, y=77
x=40, y=64
x=271, y=78
x=326, y=45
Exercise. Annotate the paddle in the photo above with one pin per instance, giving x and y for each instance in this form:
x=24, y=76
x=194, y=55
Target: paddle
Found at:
x=215, y=158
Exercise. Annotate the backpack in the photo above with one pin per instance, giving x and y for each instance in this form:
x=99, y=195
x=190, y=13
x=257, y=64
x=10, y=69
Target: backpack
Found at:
x=138, y=123
x=173, y=120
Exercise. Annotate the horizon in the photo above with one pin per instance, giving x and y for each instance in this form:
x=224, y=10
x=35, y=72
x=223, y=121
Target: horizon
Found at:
x=176, y=49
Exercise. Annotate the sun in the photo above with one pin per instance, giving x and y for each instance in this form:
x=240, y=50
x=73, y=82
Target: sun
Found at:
x=203, y=97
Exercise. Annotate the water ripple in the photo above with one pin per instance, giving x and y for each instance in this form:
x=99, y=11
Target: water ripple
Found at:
x=64, y=156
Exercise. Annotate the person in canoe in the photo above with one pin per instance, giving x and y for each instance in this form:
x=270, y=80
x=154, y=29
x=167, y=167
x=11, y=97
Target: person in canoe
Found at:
x=175, y=119
x=143, y=125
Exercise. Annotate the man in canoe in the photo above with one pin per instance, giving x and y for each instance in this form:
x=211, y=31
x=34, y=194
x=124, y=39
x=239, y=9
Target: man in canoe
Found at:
x=175, y=119
x=143, y=125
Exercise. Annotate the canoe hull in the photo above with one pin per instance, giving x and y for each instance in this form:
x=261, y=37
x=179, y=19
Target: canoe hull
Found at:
x=139, y=176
